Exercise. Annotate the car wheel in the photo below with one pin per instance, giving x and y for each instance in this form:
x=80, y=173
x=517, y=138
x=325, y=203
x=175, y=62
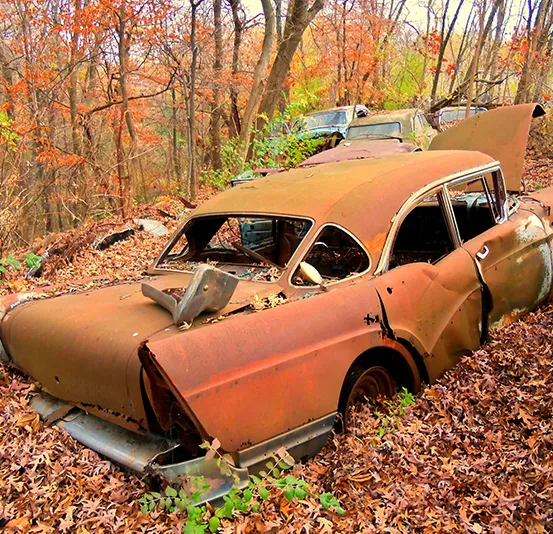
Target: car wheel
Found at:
x=362, y=384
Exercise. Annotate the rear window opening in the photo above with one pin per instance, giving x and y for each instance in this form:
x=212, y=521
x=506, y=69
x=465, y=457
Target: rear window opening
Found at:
x=368, y=130
x=253, y=247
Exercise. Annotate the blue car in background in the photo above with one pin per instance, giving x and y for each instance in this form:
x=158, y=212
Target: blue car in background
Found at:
x=320, y=124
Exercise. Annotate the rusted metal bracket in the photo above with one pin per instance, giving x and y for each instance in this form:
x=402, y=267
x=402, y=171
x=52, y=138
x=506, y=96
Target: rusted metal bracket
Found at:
x=209, y=290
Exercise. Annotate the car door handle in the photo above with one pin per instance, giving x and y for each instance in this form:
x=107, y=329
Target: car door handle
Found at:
x=483, y=254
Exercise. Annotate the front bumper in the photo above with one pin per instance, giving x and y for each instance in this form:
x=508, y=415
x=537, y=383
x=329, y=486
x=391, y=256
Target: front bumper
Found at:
x=143, y=453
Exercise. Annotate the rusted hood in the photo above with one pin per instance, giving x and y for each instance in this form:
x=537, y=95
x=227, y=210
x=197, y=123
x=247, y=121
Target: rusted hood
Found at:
x=83, y=348
x=359, y=149
x=501, y=133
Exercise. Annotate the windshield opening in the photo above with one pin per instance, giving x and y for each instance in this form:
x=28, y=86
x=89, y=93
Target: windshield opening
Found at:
x=368, y=130
x=252, y=247
x=450, y=115
x=319, y=120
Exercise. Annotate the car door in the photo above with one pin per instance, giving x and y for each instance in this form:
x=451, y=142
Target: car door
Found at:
x=511, y=250
x=430, y=289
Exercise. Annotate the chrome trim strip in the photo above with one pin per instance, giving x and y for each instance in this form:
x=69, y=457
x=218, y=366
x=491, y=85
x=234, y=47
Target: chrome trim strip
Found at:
x=453, y=229
x=415, y=198
x=137, y=452
x=306, y=440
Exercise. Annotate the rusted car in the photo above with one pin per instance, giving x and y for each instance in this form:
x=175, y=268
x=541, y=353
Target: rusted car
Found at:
x=282, y=302
x=350, y=149
x=409, y=125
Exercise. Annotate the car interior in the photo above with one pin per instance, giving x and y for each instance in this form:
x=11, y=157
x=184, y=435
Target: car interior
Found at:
x=243, y=242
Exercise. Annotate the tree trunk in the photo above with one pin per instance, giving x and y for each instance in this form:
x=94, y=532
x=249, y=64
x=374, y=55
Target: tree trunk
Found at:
x=123, y=55
x=215, y=123
x=536, y=37
x=299, y=17
x=443, y=44
x=192, y=179
x=482, y=38
x=258, y=79
x=175, y=145
x=238, y=22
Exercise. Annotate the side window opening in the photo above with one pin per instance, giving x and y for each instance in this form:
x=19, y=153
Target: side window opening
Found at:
x=335, y=255
x=475, y=206
x=423, y=236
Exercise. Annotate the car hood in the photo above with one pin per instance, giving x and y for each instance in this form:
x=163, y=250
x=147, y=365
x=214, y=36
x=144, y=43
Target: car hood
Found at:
x=359, y=149
x=83, y=348
x=320, y=131
x=501, y=133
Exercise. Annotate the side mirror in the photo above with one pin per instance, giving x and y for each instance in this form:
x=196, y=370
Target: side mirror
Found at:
x=310, y=274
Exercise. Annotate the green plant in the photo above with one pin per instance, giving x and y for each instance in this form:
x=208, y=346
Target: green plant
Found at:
x=7, y=135
x=396, y=408
x=9, y=262
x=275, y=478
x=32, y=260
x=267, y=151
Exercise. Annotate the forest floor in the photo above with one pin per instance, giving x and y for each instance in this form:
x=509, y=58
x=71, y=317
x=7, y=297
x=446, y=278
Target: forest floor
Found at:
x=474, y=453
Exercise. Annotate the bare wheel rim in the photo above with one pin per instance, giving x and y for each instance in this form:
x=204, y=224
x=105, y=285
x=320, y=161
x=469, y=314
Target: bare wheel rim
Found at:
x=374, y=382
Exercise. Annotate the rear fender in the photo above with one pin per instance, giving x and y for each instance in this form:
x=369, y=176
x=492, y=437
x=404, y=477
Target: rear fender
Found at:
x=251, y=377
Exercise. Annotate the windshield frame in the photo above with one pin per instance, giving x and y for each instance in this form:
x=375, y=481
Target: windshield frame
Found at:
x=155, y=267
x=368, y=136
x=301, y=124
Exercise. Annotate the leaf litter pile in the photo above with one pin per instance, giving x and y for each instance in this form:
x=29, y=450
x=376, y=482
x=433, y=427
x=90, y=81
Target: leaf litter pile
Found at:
x=473, y=453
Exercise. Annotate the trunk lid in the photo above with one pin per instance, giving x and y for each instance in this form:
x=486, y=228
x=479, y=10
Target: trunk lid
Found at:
x=83, y=348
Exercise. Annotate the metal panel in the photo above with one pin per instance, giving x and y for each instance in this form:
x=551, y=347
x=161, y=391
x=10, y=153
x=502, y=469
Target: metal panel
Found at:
x=501, y=133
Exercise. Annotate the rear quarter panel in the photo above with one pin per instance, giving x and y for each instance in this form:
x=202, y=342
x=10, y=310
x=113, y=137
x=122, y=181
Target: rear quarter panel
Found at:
x=251, y=377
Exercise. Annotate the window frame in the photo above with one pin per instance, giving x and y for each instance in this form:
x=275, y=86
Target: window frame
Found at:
x=498, y=209
x=310, y=244
x=354, y=126
x=447, y=212
x=383, y=263
x=156, y=269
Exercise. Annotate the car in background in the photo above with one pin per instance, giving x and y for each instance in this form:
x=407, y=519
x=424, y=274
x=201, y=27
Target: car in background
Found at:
x=457, y=113
x=319, y=124
x=408, y=125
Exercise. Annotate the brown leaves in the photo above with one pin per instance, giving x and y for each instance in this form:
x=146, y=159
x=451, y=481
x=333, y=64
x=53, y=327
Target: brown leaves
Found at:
x=473, y=454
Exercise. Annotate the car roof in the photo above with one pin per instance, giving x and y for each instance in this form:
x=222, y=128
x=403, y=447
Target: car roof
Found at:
x=360, y=148
x=461, y=106
x=339, y=108
x=360, y=195
x=397, y=115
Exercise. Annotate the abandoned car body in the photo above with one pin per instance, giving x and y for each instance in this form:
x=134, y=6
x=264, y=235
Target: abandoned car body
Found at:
x=376, y=274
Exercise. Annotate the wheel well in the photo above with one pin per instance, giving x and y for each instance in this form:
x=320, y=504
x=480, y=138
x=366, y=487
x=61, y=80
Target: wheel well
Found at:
x=388, y=358
x=419, y=362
